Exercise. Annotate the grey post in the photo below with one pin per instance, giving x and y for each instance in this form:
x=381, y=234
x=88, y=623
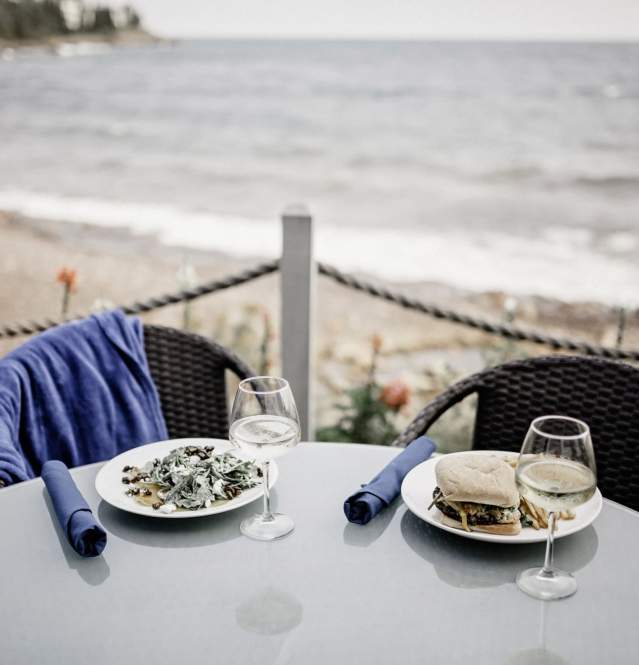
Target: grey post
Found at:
x=298, y=273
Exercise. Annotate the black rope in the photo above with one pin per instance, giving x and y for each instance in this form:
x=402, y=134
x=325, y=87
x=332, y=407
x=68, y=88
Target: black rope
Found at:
x=31, y=327
x=506, y=330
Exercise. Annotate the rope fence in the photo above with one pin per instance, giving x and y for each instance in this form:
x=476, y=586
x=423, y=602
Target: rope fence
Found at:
x=505, y=330
x=185, y=295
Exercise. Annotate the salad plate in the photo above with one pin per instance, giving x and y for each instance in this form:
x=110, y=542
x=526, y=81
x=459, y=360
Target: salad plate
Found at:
x=417, y=493
x=111, y=488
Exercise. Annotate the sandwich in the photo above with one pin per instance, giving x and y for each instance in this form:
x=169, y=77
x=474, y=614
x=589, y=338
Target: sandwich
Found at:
x=477, y=493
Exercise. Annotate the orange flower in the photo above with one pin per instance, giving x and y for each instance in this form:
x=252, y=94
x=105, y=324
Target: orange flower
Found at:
x=395, y=394
x=377, y=342
x=68, y=277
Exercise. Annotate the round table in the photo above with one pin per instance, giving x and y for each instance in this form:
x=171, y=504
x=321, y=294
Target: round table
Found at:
x=394, y=591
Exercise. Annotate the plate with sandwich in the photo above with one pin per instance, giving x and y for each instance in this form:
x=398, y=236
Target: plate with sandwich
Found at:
x=474, y=494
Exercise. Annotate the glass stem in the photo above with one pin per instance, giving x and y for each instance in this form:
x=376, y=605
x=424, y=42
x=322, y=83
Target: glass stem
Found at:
x=547, y=570
x=267, y=515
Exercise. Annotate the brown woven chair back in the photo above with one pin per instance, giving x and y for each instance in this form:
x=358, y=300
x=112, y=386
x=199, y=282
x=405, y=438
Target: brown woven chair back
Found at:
x=603, y=393
x=189, y=373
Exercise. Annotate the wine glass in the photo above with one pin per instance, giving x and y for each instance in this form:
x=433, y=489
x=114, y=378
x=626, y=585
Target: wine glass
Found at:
x=556, y=471
x=265, y=424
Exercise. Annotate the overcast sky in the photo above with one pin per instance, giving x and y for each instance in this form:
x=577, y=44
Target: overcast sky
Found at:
x=484, y=19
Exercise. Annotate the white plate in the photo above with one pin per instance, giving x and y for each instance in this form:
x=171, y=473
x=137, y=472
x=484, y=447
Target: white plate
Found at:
x=417, y=492
x=109, y=486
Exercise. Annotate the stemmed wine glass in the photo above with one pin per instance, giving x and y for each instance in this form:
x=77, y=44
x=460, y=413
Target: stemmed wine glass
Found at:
x=265, y=424
x=556, y=471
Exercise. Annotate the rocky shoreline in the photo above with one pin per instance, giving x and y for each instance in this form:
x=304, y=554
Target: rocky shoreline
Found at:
x=54, y=43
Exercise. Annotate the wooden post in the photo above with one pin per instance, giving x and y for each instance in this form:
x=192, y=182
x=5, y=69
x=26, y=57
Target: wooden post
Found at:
x=297, y=272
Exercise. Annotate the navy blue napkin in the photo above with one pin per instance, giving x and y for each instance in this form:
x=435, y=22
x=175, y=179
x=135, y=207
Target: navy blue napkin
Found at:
x=361, y=507
x=82, y=530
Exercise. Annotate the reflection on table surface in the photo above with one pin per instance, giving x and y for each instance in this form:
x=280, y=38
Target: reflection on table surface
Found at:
x=469, y=564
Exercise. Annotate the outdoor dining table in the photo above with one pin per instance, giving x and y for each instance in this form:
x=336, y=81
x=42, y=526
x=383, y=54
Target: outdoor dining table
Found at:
x=394, y=591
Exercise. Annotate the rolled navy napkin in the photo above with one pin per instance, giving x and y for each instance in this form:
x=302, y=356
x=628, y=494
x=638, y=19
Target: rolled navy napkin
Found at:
x=361, y=507
x=82, y=530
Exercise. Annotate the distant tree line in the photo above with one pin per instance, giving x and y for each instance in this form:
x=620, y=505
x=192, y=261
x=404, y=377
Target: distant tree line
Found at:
x=37, y=19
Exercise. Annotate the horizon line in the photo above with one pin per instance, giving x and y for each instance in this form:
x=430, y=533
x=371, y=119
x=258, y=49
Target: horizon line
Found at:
x=547, y=39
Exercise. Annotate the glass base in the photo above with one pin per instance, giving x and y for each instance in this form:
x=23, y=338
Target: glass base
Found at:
x=258, y=528
x=546, y=586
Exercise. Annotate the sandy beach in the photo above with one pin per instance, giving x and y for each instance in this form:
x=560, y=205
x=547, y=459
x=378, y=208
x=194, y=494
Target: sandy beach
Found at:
x=116, y=267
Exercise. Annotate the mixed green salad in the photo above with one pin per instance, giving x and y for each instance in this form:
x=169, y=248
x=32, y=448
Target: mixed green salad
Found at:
x=190, y=478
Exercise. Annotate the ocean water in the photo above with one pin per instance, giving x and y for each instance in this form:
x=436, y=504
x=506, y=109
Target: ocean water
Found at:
x=509, y=166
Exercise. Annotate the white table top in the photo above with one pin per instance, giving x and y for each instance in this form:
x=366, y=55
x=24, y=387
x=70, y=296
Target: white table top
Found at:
x=394, y=591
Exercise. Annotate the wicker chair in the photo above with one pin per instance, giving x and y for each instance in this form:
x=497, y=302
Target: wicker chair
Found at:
x=189, y=372
x=603, y=393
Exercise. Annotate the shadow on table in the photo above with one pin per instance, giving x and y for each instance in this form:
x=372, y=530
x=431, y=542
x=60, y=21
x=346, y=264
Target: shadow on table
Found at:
x=363, y=535
x=465, y=563
x=200, y=531
x=538, y=656
x=93, y=570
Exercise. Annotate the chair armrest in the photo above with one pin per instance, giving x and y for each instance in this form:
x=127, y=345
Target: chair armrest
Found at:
x=436, y=407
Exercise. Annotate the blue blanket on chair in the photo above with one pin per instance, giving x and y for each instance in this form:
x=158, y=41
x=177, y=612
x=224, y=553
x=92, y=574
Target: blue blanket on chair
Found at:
x=79, y=393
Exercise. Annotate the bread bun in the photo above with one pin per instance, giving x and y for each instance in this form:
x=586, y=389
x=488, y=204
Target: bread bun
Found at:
x=477, y=478
x=499, y=529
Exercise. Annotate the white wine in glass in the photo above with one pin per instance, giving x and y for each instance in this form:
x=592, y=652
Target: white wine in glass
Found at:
x=265, y=425
x=556, y=471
